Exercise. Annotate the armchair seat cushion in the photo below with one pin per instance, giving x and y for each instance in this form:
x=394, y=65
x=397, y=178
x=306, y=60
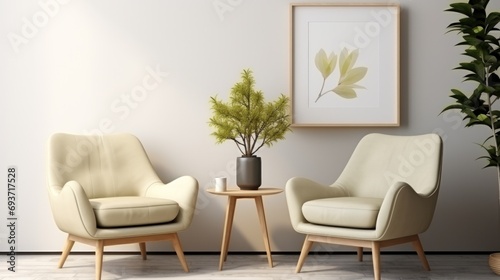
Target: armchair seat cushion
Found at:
x=351, y=212
x=133, y=211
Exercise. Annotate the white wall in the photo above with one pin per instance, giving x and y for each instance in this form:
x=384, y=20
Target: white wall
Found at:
x=72, y=70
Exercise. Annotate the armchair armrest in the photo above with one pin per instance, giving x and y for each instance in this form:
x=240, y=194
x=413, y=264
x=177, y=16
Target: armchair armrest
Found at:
x=405, y=212
x=183, y=190
x=300, y=190
x=71, y=209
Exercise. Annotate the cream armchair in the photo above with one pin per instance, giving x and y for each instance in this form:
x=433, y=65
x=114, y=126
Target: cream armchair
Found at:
x=386, y=195
x=104, y=191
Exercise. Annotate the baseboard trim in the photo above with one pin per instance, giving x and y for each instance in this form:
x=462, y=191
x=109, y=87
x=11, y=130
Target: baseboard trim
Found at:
x=260, y=253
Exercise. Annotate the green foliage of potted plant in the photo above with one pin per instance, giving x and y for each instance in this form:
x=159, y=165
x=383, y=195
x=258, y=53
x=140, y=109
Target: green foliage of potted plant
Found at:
x=482, y=48
x=251, y=123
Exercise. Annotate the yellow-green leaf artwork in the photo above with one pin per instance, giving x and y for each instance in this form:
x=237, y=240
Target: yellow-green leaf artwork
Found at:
x=349, y=75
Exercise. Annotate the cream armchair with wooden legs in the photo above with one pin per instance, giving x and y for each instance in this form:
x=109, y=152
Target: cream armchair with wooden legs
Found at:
x=104, y=191
x=386, y=195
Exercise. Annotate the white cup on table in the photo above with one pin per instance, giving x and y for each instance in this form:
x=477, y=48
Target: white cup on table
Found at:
x=220, y=184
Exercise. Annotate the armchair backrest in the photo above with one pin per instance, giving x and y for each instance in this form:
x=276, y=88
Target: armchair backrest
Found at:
x=104, y=165
x=379, y=161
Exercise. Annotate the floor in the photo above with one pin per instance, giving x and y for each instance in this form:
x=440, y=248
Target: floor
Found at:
x=248, y=266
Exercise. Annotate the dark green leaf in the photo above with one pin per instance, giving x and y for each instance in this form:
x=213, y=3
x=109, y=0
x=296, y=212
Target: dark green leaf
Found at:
x=462, y=8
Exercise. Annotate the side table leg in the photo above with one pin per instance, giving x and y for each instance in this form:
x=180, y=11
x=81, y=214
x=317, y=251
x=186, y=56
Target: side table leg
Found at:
x=228, y=224
x=263, y=226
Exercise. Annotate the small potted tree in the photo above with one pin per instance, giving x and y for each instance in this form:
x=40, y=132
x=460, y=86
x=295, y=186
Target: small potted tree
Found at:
x=251, y=123
x=480, y=34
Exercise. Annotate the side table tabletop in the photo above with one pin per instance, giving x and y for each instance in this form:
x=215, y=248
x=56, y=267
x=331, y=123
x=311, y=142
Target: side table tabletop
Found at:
x=233, y=195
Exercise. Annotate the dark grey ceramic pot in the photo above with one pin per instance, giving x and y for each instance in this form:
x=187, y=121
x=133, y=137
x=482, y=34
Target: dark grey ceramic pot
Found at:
x=248, y=173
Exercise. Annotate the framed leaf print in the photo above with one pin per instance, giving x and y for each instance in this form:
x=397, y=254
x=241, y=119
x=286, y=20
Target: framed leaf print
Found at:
x=344, y=64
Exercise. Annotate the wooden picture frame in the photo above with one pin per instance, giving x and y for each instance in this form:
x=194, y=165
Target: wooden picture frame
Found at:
x=344, y=64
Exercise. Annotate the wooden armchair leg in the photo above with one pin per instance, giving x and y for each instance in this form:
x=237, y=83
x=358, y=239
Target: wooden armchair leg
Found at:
x=421, y=254
x=303, y=254
x=360, y=254
x=376, y=259
x=99, y=252
x=67, y=248
x=178, y=250
x=142, y=246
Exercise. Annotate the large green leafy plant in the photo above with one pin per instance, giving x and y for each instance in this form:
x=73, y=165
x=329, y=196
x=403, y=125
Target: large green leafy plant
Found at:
x=247, y=119
x=480, y=39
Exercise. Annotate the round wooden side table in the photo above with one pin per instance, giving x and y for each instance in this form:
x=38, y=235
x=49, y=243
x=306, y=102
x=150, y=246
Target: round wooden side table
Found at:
x=233, y=195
